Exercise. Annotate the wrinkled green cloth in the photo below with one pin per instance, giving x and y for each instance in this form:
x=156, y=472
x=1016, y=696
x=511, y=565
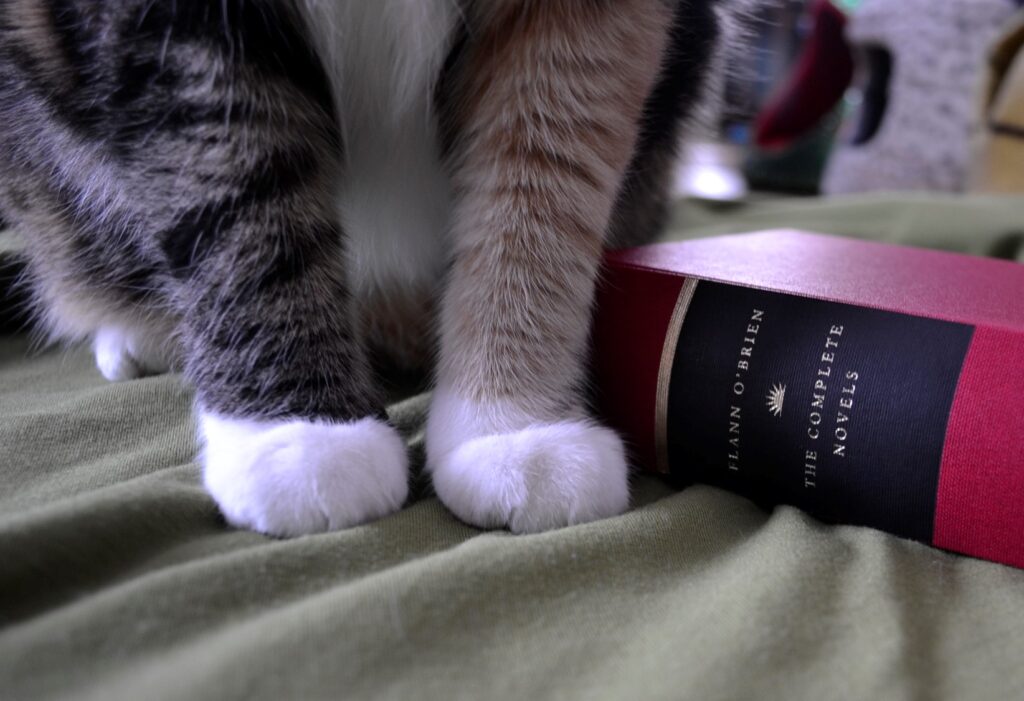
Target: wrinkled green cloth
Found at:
x=118, y=579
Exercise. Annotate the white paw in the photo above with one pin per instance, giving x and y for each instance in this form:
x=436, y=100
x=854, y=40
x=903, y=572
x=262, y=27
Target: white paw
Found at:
x=530, y=479
x=112, y=357
x=121, y=355
x=297, y=477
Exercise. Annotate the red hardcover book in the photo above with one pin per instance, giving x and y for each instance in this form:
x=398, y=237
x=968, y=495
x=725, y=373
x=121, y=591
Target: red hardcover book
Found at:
x=865, y=383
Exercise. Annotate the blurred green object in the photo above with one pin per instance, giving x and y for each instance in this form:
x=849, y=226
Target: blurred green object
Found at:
x=796, y=169
x=980, y=225
x=848, y=6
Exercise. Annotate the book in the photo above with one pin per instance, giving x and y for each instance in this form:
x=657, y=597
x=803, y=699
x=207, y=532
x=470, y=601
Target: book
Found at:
x=865, y=383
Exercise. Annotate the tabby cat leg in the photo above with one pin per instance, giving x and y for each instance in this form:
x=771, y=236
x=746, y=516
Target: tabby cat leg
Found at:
x=287, y=406
x=287, y=409
x=190, y=152
x=544, y=106
x=290, y=418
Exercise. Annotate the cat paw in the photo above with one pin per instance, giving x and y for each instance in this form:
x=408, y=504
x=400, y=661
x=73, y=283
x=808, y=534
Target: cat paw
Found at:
x=533, y=479
x=121, y=355
x=298, y=477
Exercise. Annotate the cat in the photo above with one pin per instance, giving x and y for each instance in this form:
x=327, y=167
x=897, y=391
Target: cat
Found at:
x=263, y=193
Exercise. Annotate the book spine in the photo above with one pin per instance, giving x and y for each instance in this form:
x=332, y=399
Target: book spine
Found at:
x=856, y=415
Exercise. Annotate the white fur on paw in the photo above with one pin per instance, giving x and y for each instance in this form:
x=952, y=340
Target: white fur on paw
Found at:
x=536, y=478
x=121, y=355
x=297, y=477
x=113, y=357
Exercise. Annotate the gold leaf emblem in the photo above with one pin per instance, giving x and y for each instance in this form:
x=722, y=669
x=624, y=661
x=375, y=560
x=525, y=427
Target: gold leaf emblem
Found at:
x=776, y=398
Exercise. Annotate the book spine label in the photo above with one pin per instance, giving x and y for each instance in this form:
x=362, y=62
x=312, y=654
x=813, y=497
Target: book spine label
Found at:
x=839, y=410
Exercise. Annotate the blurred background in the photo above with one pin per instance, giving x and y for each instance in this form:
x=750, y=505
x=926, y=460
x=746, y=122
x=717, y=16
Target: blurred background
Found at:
x=839, y=97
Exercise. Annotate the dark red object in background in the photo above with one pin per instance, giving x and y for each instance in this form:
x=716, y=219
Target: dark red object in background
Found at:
x=818, y=82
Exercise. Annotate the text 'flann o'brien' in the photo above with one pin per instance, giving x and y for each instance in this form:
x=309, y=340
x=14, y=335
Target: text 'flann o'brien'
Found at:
x=739, y=387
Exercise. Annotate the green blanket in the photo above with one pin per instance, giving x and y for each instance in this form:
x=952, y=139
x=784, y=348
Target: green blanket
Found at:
x=118, y=579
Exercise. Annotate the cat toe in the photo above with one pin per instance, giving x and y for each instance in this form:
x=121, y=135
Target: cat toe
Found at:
x=113, y=359
x=535, y=479
x=298, y=477
x=121, y=355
